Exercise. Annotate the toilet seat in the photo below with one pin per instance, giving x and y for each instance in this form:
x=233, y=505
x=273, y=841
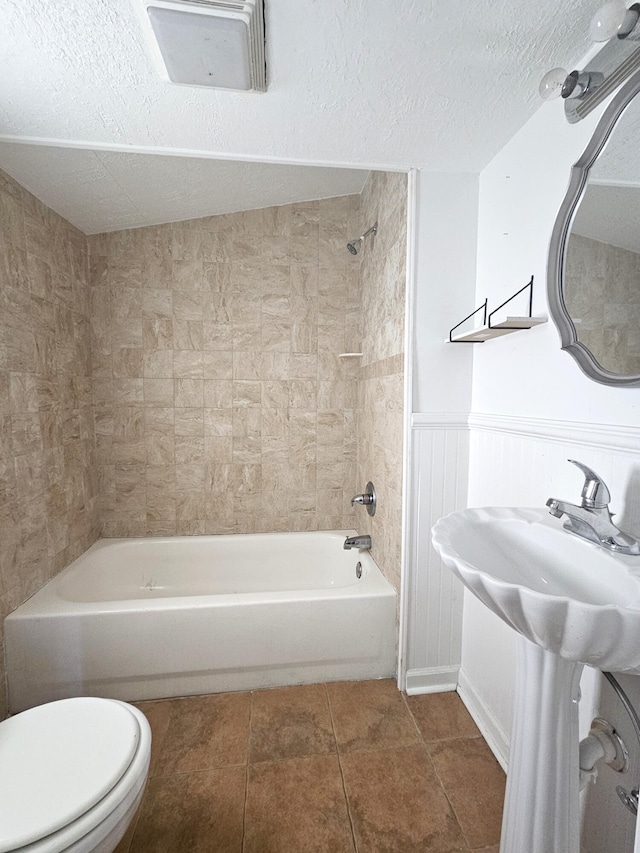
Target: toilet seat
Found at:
x=66, y=766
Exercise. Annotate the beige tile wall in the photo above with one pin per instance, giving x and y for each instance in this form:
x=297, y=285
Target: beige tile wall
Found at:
x=381, y=388
x=221, y=404
x=602, y=290
x=48, y=490
x=185, y=378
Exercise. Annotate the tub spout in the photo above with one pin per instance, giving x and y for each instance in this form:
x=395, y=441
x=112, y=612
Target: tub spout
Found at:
x=363, y=543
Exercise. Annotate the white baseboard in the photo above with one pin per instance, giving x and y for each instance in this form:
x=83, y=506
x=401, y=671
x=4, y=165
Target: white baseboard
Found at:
x=490, y=728
x=437, y=679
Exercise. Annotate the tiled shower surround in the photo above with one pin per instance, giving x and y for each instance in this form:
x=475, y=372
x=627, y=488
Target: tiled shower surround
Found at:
x=381, y=379
x=221, y=403
x=208, y=353
x=48, y=487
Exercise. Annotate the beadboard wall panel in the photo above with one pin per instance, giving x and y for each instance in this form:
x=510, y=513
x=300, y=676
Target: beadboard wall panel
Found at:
x=522, y=462
x=434, y=621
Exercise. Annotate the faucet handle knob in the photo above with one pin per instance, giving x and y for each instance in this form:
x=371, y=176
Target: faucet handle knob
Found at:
x=361, y=499
x=368, y=499
x=595, y=494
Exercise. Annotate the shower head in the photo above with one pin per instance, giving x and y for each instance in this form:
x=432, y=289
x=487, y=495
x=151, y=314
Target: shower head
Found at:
x=355, y=245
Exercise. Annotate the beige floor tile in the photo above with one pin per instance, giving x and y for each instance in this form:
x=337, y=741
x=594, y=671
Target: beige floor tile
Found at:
x=193, y=813
x=397, y=803
x=158, y=714
x=475, y=783
x=398, y=797
x=290, y=722
x=370, y=715
x=442, y=715
x=297, y=806
x=205, y=732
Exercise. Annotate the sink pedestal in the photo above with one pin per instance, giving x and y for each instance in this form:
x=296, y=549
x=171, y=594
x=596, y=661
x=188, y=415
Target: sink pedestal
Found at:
x=542, y=805
x=572, y=601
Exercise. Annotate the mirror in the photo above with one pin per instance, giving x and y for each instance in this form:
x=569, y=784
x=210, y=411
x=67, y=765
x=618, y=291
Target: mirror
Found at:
x=594, y=260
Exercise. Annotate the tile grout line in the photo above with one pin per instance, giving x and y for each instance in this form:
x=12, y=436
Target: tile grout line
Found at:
x=246, y=776
x=161, y=742
x=344, y=786
x=435, y=769
x=453, y=809
x=457, y=738
x=413, y=719
x=439, y=739
x=136, y=819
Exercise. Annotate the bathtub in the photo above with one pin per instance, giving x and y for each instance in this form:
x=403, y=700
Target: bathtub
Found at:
x=137, y=619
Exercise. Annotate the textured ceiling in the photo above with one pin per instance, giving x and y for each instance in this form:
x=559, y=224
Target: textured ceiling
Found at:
x=439, y=84
x=105, y=191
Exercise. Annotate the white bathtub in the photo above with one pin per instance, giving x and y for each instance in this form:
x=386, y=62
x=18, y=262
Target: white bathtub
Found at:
x=140, y=619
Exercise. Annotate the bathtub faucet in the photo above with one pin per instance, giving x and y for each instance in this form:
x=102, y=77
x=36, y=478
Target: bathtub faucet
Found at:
x=368, y=499
x=363, y=543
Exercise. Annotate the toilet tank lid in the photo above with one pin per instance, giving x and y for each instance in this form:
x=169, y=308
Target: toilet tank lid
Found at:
x=57, y=761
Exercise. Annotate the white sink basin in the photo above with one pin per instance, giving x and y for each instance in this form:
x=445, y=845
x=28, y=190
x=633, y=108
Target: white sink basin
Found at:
x=564, y=594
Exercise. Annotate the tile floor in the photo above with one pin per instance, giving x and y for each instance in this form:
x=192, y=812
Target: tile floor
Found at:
x=348, y=766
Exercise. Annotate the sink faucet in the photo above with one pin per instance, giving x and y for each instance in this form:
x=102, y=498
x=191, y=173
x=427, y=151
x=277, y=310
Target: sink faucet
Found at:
x=592, y=519
x=361, y=542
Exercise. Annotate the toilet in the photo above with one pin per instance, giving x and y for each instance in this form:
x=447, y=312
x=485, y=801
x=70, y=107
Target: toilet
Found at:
x=72, y=774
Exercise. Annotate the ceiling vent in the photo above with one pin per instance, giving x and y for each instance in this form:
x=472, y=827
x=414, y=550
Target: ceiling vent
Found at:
x=214, y=43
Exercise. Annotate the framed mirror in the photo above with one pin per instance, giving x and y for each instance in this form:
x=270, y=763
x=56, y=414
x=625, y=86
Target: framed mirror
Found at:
x=593, y=276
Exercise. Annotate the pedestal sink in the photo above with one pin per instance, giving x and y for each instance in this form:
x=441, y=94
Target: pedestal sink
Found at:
x=572, y=603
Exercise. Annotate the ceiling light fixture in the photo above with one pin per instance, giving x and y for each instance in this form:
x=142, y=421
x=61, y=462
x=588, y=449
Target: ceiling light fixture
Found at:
x=582, y=91
x=214, y=43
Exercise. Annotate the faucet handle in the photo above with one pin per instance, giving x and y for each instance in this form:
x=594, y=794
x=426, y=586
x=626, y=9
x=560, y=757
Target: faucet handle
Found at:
x=364, y=499
x=595, y=494
x=368, y=499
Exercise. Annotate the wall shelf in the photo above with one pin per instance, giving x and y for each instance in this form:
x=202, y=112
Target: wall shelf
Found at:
x=485, y=333
x=490, y=330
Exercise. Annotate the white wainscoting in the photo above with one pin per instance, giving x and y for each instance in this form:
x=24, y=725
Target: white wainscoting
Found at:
x=518, y=461
x=597, y=436
x=433, y=621
x=482, y=459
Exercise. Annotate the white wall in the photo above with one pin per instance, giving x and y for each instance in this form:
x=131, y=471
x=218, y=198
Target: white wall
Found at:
x=447, y=220
x=446, y=236
x=520, y=193
x=532, y=407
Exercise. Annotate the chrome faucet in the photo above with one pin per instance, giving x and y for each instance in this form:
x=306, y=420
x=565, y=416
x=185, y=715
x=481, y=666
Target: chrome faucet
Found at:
x=364, y=499
x=368, y=499
x=592, y=519
x=363, y=543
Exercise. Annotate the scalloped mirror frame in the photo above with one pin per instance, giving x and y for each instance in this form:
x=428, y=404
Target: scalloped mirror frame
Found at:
x=555, y=268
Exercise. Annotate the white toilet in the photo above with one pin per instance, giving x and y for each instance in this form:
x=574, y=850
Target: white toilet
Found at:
x=72, y=774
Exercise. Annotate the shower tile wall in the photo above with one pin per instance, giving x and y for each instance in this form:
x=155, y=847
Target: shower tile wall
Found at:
x=609, y=315
x=381, y=388
x=221, y=404
x=208, y=352
x=48, y=490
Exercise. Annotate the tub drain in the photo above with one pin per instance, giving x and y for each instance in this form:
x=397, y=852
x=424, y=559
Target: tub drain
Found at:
x=358, y=569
